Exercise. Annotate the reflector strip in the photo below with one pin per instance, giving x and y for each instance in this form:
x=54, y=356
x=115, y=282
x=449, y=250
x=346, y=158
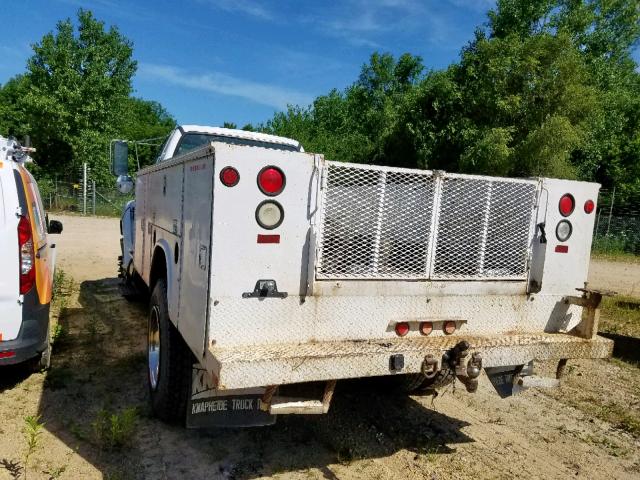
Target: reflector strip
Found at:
x=268, y=238
x=8, y=354
x=562, y=248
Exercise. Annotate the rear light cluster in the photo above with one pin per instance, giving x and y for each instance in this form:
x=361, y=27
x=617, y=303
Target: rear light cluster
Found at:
x=27, y=256
x=271, y=182
x=425, y=328
x=564, y=229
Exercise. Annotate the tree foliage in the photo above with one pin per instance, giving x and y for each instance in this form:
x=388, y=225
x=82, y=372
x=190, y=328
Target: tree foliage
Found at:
x=75, y=97
x=547, y=88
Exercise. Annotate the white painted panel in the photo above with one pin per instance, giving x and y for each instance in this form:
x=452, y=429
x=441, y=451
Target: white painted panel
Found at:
x=10, y=309
x=196, y=250
x=140, y=224
x=564, y=272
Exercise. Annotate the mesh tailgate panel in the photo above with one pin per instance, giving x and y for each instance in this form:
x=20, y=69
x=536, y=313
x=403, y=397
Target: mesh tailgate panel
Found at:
x=376, y=223
x=483, y=229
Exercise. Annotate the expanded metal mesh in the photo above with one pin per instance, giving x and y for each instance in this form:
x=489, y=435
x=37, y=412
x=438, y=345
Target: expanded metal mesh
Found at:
x=376, y=223
x=483, y=229
x=385, y=223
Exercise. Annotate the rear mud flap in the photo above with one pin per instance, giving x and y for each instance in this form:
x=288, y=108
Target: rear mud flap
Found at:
x=513, y=380
x=209, y=407
x=503, y=379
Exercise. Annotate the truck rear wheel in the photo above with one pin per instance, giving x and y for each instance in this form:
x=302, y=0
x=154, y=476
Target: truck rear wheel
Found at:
x=169, y=361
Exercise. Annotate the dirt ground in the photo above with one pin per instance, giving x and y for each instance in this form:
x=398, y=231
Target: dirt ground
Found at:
x=96, y=423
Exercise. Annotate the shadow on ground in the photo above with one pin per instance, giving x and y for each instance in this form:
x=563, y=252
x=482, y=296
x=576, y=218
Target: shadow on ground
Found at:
x=624, y=347
x=99, y=366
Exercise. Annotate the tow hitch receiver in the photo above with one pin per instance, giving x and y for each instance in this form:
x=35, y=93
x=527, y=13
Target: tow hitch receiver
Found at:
x=466, y=367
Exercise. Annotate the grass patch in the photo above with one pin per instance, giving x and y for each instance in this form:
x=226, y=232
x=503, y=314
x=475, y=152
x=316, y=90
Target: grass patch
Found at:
x=620, y=315
x=624, y=257
x=113, y=431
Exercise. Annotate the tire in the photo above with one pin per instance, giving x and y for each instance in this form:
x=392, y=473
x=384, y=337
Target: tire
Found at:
x=42, y=363
x=169, y=361
x=405, y=384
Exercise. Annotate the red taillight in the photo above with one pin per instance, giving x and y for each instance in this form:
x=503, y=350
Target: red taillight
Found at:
x=402, y=329
x=271, y=181
x=567, y=204
x=27, y=257
x=7, y=354
x=589, y=206
x=426, y=328
x=229, y=176
x=449, y=327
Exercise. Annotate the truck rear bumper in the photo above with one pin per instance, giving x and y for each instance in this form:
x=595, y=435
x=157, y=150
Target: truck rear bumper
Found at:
x=262, y=365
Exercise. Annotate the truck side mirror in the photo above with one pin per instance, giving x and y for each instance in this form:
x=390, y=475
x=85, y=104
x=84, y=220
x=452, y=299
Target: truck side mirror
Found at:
x=124, y=184
x=120, y=158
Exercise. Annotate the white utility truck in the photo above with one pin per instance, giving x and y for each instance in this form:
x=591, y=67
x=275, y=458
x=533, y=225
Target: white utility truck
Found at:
x=274, y=271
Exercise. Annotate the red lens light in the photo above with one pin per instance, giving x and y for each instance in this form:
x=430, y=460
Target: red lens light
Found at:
x=271, y=181
x=449, y=327
x=589, y=206
x=426, y=328
x=7, y=354
x=229, y=176
x=402, y=329
x=24, y=231
x=26, y=256
x=567, y=204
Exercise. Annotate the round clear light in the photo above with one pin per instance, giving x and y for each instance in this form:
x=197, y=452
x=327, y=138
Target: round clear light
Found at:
x=563, y=230
x=269, y=214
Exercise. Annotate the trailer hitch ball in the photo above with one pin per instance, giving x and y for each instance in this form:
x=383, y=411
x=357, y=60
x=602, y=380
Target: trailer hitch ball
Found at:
x=474, y=367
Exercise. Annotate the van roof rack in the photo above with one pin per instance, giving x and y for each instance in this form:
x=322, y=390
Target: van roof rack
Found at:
x=11, y=150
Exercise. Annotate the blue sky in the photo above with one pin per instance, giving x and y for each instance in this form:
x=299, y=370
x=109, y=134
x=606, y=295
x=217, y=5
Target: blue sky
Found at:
x=210, y=61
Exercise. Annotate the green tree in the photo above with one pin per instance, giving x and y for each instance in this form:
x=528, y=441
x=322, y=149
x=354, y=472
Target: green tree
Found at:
x=144, y=120
x=79, y=83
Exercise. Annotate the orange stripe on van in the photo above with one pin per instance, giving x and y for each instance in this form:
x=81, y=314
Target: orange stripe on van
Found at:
x=44, y=278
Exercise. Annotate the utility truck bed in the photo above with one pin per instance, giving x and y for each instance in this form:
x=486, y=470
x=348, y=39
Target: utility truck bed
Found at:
x=280, y=267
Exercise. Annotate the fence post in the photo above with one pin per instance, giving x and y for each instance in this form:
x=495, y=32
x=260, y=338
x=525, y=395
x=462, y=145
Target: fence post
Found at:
x=84, y=188
x=93, y=195
x=613, y=198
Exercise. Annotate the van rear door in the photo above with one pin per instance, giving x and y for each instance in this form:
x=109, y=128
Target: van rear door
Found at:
x=10, y=309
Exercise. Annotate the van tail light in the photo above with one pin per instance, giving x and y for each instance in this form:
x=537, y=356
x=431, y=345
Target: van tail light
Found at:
x=27, y=257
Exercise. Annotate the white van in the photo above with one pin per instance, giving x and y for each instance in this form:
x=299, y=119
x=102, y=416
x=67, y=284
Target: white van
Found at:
x=27, y=262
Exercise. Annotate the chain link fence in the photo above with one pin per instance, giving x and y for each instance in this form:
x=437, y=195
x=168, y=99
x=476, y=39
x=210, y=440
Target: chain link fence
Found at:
x=617, y=228
x=83, y=196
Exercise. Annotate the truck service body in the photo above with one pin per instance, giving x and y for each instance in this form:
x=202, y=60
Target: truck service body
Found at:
x=27, y=262
x=281, y=267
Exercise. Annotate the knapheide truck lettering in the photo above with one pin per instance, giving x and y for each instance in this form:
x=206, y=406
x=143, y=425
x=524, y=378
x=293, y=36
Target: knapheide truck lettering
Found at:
x=278, y=272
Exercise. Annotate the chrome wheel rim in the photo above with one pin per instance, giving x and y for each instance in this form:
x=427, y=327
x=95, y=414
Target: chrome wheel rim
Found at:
x=153, y=350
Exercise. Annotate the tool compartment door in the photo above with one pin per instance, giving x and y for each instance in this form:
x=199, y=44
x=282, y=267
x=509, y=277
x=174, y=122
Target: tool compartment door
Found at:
x=195, y=258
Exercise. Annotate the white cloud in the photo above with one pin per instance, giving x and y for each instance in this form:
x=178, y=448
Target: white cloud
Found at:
x=363, y=22
x=247, y=7
x=224, y=84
